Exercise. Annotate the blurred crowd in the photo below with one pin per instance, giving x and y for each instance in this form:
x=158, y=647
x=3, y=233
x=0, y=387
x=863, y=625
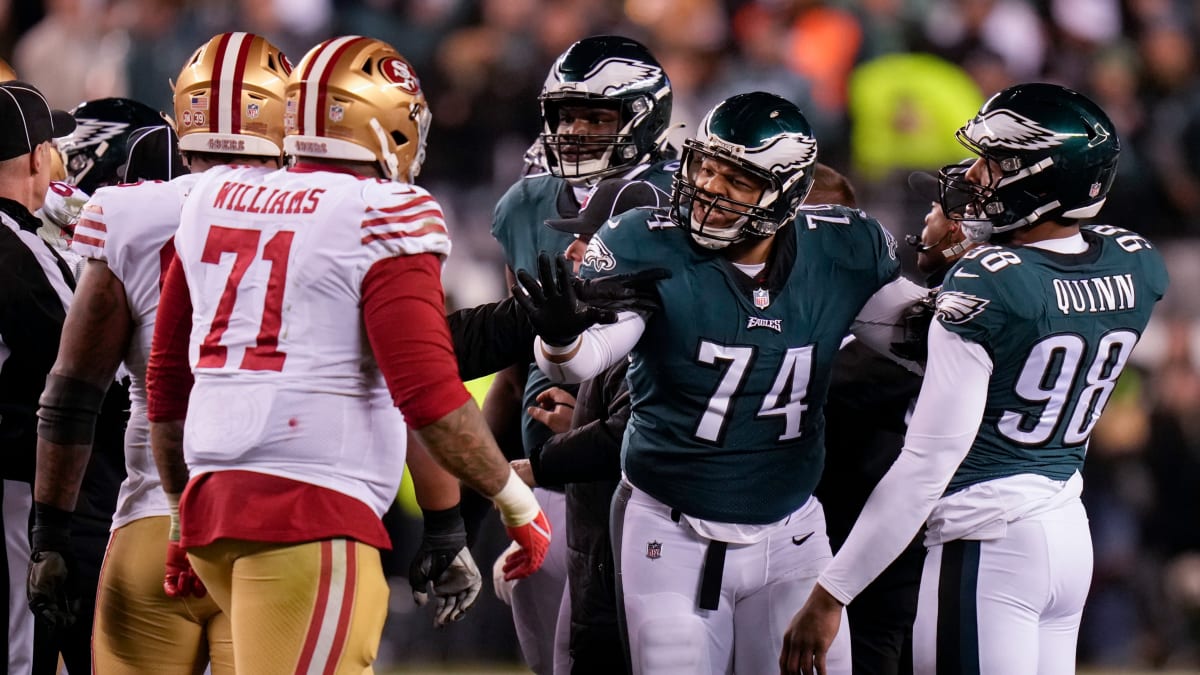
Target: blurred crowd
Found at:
x=886, y=83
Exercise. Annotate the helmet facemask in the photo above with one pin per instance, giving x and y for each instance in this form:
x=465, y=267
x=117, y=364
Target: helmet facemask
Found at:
x=694, y=207
x=583, y=159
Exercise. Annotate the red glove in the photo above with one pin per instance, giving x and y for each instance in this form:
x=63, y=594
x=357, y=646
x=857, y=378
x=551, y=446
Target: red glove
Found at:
x=534, y=540
x=181, y=580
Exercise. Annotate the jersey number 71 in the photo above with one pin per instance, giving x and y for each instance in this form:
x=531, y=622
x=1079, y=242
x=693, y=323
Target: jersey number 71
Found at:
x=265, y=354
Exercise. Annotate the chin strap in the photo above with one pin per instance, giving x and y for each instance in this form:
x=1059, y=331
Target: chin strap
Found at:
x=391, y=165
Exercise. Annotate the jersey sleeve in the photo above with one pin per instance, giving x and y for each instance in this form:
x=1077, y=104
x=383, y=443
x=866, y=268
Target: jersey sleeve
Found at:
x=636, y=240
x=91, y=231
x=400, y=220
x=503, y=229
x=854, y=239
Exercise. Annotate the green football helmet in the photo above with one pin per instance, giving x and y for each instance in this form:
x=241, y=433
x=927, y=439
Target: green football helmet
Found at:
x=763, y=135
x=1057, y=155
x=605, y=71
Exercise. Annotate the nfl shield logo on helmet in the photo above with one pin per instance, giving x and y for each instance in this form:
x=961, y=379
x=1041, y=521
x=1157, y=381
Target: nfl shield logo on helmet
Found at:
x=252, y=110
x=336, y=112
x=1094, y=190
x=762, y=299
x=654, y=550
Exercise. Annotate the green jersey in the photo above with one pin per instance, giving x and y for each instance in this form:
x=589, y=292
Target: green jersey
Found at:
x=519, y=225
x=1059, y=329
x=729, y=379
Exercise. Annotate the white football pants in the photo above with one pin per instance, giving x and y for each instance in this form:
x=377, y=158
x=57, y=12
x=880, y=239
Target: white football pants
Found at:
x=660, y=564
x=1007, y=605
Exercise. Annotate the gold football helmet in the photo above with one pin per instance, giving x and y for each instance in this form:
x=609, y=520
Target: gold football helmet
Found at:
x=6, y=72
x=229, y=97
x=356, y=98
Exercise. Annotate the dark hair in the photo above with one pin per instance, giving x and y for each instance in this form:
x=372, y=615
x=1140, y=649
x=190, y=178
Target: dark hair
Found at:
x=831, y=187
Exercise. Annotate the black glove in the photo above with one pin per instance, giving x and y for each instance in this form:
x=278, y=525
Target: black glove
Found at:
x=50, y=585
x=635, y=291
x=554, y=308
x=916, y=319
x=444, y=565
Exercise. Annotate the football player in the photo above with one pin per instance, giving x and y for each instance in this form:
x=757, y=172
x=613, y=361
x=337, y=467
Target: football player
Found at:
x=717, y=535
x=1030, y=335
x=318, y=311
x=126, y=235
x=606, y=108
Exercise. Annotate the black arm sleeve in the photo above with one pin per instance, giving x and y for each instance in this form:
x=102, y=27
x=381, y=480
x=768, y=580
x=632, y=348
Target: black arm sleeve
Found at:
x=591, y=449
x=490, y=337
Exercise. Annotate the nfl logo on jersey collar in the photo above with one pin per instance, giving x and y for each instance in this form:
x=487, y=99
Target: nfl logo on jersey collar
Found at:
x=762, y=299
x=654, y=550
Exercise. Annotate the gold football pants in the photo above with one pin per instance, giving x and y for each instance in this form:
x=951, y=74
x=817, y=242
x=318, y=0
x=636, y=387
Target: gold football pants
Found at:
x=316, y=607
x=138, y=628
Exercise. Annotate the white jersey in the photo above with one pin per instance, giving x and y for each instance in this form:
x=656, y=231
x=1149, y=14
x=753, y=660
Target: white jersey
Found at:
x=131, y=228
x=286, y=383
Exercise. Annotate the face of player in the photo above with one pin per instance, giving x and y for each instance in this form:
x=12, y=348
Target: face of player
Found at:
x=940, y=233
x=719, y=178
x=580, y=121
x=984, y=172
x=576, y=251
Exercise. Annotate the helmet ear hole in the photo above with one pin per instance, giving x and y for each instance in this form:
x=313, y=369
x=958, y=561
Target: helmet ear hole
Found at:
x=399, y=138
x=367, y=66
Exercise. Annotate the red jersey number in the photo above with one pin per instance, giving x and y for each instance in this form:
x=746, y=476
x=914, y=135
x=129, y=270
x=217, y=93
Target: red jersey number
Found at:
x=265, y=355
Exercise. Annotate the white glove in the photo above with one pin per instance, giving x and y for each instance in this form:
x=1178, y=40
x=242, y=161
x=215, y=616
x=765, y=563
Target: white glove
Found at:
x=455, y=591
x=503, y=587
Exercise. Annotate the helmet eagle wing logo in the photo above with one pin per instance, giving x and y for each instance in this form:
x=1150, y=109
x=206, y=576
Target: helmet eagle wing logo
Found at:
x=786, y=152
x=957, y=307
x=90, y=132
x=613, y=76
x=1008, y=129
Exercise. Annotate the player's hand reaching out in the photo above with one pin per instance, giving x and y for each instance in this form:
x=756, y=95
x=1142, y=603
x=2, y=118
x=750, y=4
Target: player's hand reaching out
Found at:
x=807, y=640
x=554, y=308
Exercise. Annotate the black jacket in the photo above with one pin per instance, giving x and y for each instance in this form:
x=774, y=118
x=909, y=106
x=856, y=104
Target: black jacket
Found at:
x=490, y=337
x=31, y=321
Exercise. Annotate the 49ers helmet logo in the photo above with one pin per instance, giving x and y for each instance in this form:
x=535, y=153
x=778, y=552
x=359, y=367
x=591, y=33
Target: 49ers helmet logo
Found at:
x=398, y=72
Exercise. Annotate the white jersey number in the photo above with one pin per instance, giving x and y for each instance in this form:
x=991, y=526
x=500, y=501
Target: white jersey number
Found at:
x=1047, y=378
x=786, y=398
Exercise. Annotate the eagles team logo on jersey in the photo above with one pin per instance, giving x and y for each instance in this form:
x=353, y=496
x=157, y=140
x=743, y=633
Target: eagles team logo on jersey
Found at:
x=598, y=256
x=654, y=550
x=957, y=307
x=1007, y=129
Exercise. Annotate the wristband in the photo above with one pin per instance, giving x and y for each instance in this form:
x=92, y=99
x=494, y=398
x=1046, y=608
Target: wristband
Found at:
x=516, y=502
x=174, y=533
x=51, y=528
